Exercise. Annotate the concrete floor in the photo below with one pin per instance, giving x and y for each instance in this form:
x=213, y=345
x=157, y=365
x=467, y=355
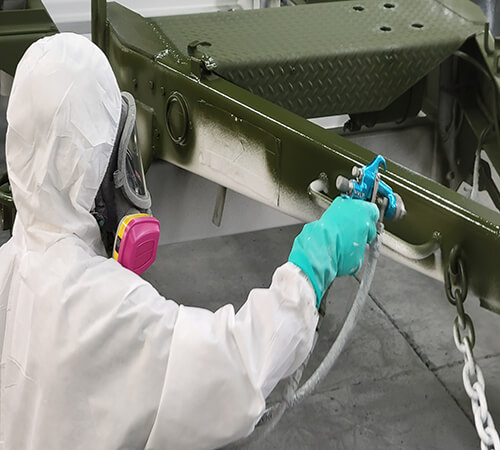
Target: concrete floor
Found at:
x=397, y=385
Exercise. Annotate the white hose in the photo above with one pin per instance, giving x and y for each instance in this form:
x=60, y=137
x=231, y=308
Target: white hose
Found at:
x=292, y=395
x=475, y=175
x=349, y=324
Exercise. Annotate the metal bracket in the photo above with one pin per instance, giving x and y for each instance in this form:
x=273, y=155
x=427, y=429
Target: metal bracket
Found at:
x=220, y=202
x=318, y=193
x=201, y=63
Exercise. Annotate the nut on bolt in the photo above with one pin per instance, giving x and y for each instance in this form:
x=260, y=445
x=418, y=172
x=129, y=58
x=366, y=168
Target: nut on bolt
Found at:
x=357, y=172
x=344, y=185
x=400, y=208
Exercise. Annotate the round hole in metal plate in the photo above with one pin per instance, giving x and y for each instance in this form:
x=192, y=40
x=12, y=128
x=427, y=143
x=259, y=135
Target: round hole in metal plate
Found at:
x=358, y=8
x=417, y=25
x=385, y=28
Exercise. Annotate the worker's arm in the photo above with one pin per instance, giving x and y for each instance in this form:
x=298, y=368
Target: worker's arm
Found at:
x=223, y=365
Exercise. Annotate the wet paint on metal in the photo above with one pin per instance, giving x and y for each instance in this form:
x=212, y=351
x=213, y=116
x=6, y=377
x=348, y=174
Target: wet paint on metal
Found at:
x=306, y=150
x=19, y=29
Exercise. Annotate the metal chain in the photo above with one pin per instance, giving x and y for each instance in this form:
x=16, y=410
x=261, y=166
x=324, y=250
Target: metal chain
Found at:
x=465, y=338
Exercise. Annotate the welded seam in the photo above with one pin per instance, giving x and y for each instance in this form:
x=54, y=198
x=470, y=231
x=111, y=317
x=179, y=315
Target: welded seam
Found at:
x=170, y=48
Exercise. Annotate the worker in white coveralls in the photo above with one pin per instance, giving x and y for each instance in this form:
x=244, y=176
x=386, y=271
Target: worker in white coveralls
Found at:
x=92, y=356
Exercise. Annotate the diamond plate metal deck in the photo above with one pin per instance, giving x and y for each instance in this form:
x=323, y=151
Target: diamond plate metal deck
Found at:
x=329, y=58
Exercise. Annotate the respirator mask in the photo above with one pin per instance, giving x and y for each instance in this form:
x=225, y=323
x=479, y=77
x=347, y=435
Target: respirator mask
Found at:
x=122, y=206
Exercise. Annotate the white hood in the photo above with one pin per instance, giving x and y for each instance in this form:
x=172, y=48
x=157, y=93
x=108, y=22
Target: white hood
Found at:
x=91, y=355
x=56, y=156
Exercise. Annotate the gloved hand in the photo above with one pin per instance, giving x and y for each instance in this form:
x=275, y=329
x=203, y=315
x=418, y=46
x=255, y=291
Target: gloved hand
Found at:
x=335, y=244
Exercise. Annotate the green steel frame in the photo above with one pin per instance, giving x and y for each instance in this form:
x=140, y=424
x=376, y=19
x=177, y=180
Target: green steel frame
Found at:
x=197, y=120
x=19, y=28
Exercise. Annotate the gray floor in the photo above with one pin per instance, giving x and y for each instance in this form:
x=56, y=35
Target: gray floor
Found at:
x=398, y=383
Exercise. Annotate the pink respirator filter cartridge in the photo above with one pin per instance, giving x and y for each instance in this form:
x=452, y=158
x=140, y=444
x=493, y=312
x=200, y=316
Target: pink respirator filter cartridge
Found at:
x=137, y=242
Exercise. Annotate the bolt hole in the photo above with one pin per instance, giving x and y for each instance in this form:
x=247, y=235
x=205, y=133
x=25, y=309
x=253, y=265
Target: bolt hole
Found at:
x=389, y=5
x=358, y=8
x=385, y=28
x=417, y=25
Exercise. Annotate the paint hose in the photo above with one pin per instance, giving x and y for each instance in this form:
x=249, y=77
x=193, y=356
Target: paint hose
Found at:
x=293, y=395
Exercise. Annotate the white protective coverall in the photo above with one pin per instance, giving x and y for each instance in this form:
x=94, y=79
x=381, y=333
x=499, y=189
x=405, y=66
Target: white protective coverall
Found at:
x=92, y=356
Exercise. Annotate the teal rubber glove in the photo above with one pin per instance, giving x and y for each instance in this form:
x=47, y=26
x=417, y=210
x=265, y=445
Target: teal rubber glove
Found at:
x=335, y=244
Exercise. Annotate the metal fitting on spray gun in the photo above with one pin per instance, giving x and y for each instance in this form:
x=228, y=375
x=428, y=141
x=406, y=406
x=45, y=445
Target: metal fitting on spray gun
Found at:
x=367, y=185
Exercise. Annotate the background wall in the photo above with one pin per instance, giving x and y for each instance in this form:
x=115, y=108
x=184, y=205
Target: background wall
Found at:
x=74, y=15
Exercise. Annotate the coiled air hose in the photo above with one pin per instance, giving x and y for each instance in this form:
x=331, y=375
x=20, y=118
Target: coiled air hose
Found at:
x=292, y=394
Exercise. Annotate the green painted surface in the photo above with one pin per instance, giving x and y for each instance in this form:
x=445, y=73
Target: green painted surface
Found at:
x=329, y=58
x=19, y=29
x=295, y=151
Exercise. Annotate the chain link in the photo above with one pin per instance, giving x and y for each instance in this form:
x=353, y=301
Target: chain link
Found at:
x=455, y=283
x=465, y=338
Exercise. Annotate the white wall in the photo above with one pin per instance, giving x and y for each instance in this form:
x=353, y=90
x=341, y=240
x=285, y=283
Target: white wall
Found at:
x=74, y=15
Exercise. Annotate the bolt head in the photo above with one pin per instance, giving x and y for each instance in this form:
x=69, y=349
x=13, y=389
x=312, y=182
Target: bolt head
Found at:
x=357, y=172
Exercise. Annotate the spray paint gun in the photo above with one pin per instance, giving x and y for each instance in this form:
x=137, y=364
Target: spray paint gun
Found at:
x=367, y=185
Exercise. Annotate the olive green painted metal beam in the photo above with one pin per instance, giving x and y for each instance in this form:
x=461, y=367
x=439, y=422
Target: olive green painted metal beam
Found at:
x=19, y=28
x=219, y=130
x=99, y=20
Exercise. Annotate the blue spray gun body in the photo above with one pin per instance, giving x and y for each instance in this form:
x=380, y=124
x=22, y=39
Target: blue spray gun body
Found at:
x=368, y=186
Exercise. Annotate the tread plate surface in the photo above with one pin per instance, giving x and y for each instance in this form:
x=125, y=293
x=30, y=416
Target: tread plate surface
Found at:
x=328, y=58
